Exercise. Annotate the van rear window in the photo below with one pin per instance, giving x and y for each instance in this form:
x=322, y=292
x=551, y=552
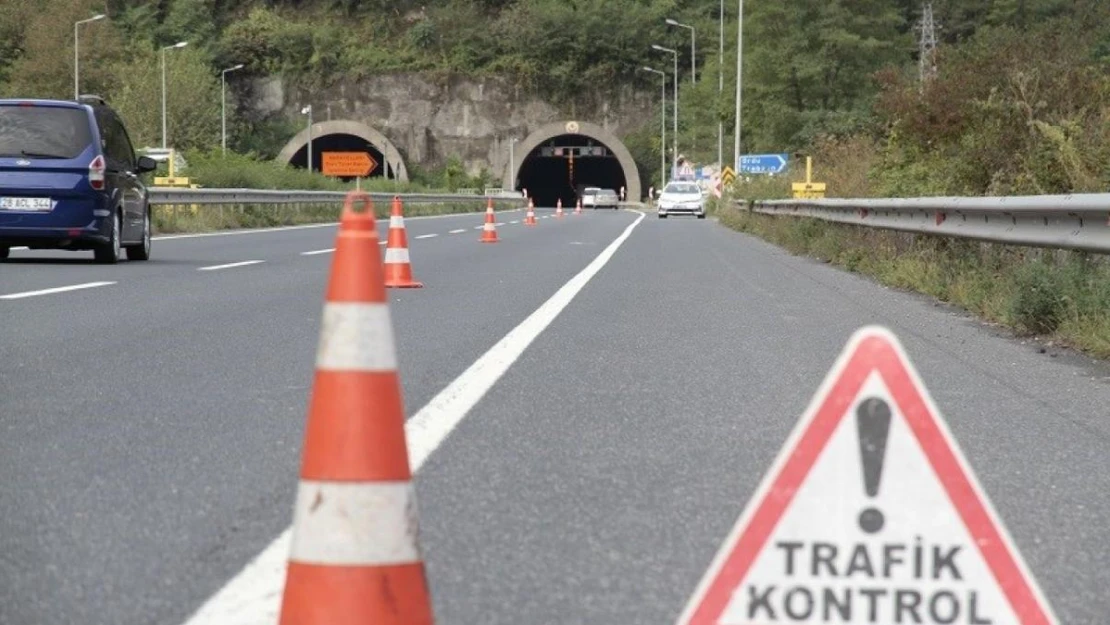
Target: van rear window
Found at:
x=43, y=131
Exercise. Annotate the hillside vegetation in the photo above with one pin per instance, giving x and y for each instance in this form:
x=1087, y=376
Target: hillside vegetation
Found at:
x=1019, y=104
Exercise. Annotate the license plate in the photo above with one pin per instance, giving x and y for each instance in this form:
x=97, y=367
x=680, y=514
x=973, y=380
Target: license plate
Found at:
x=26, y=203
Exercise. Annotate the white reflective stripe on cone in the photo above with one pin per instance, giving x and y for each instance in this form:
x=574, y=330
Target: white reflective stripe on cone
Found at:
x=355, y=524
x=396, y=221
x=356, y=336
x=397, y=255
x=489, y=227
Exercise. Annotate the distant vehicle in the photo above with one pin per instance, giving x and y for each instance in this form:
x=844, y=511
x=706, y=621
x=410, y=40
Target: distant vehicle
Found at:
x=607, y=198
x=589, y=197
x=681, y=198
x=69, y=179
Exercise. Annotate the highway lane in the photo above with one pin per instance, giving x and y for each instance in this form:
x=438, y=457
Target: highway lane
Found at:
x=595, y=482
x=152, y=428
x=591, y=485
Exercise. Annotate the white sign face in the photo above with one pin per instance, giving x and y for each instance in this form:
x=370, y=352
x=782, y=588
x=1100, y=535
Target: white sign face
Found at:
x=870, y=516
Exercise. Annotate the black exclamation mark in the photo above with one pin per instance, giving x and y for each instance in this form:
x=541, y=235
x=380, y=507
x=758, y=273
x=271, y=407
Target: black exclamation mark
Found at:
x=873, y=421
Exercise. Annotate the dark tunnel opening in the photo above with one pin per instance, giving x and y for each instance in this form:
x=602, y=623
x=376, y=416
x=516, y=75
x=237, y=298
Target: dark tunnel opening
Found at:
x=341, y=143
x=564, y=165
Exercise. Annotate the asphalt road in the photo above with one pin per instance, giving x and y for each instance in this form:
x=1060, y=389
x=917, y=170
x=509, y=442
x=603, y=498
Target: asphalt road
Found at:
x=151, y=426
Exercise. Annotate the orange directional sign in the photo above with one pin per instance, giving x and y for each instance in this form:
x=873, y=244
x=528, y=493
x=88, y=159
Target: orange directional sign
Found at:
x=870, y=515
x=348, y=164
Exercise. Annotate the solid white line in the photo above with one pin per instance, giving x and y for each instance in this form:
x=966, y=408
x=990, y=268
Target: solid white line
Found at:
x=253, y=597
x=354, y=524
x=315, y=252
x=230, y=265
x=60, y=289
x=426, y=236
x=457, y=231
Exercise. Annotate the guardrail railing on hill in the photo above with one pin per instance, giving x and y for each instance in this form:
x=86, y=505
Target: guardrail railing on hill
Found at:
x=1078, y=222
x=167, y=195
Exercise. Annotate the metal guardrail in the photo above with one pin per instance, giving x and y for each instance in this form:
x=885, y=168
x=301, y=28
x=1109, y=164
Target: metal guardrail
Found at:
x=1076, y=222
x=168, y=195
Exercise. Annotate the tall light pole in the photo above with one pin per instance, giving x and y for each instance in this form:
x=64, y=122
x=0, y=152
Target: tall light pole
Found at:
x=662, y=126
x=693, y=46
x=739, y=83
x=721, y=88
x=674, y=122
x=512, y=163
x=76, y=59
x=180, y=44
x=307, y=110
x=223, y=105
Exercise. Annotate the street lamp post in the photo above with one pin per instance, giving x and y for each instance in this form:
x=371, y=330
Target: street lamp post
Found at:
x=674, y=122
x=721, y=87
x=180, y=44
x=223, y=105
x=662, y=126
x=693, y=48
x=739, y=90
x=307, y=110
x=512, y=163
x=76, y=59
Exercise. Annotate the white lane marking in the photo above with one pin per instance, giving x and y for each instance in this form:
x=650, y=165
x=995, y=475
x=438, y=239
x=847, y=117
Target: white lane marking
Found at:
x=315, y=252
x=59, y=289
x=354, y=524
x=480, y=227
x=515, y=221
x=356, y=336
x=228, y=233
x=383, y=242
x=426, y=236
x=230, y=265
x=457, y=231
x=253, y=597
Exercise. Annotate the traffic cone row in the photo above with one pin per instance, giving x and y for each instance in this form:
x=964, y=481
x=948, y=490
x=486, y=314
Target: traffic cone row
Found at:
x=530, y=217
x=489, y=231
x=355, y=557
x=559, y=208
x=578, y=207
x=398, y=267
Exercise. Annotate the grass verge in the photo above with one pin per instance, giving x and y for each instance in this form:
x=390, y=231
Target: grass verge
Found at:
x=1051, y=294
x=171, y=219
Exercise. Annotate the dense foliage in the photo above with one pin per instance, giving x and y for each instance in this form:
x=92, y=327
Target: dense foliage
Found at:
x=1019, y=104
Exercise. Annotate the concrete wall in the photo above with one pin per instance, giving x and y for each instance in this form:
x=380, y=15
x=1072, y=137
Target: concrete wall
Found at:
x=430, y=119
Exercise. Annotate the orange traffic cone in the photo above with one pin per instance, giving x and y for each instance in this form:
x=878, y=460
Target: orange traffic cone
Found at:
x=530, y=216
x=559, y=208
x=578, y=207
x=489, y=232
x=398, y=268
x=354, y=556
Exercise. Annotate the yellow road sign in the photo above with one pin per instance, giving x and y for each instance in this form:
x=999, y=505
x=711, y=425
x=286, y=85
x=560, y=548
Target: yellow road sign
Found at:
x=728, y=175
x=809, y=190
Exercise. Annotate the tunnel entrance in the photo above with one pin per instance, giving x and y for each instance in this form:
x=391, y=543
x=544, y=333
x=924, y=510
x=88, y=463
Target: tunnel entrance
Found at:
x=561, y=167
x=345, y=136
x=342, y=143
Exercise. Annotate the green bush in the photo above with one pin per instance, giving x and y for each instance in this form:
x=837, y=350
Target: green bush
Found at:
x=1038, y=303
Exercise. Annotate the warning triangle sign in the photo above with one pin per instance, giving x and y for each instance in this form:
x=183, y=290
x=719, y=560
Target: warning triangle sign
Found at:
x=870, y=515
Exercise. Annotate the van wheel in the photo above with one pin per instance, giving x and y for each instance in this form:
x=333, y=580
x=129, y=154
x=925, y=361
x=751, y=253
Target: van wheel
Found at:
x=108, y=253
x=4, y=251
x=142, y=250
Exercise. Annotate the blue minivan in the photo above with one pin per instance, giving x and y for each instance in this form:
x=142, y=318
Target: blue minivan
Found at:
x=69, y=179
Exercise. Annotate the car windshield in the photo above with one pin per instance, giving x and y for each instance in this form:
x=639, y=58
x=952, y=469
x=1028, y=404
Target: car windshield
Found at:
x=684, y=188
x=43, y=131
x=591, y=191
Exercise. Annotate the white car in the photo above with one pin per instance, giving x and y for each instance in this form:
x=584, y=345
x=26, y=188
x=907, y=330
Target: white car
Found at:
x=682, y=197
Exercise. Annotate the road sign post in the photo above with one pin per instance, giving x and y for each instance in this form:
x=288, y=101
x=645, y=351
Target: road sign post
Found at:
x=763, y=163
x=870, y=515
x=347, y=164
x=808, y=189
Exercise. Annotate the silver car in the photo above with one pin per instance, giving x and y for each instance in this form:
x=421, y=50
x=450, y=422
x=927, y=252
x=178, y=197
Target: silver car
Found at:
x=682, y=198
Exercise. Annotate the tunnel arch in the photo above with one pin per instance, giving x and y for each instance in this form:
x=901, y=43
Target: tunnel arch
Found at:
x=588, y=131
x=391, y=157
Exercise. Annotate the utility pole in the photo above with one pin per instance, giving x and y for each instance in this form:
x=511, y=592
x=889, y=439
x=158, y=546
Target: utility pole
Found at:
x=926, y=46
x=739, y=84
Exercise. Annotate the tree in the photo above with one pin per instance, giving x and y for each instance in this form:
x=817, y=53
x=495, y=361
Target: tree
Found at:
x=192, y=102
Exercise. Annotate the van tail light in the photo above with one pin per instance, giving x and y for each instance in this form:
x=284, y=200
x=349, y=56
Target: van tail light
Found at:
x=96, y=173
